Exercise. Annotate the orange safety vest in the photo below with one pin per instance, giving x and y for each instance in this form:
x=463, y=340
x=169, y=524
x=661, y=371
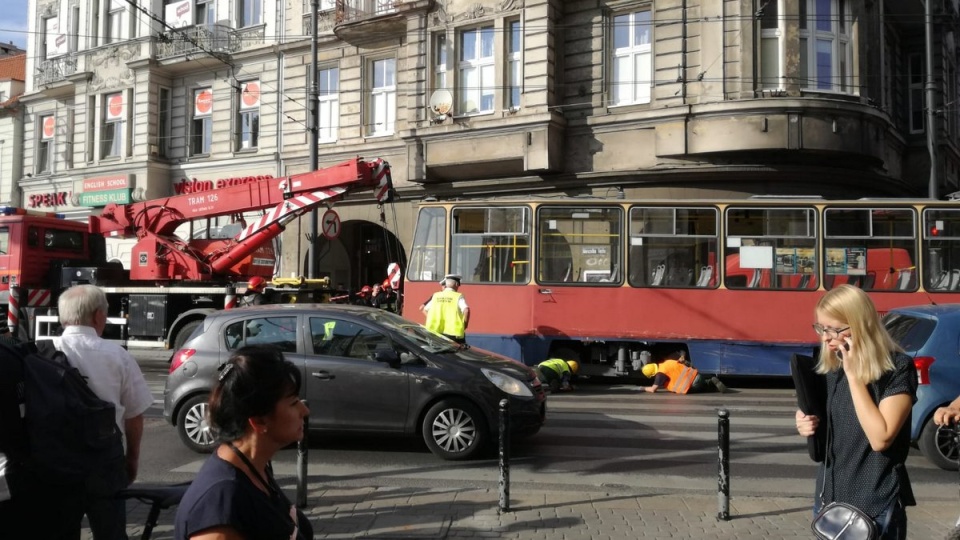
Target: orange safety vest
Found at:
x=681, y=376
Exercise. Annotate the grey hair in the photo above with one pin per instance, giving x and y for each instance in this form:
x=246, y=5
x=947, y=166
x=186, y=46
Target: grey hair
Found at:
x=79, y=303
x=451, y=283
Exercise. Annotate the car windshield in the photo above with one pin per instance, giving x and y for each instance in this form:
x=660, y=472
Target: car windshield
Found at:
x=909, y=331
x=414, y=332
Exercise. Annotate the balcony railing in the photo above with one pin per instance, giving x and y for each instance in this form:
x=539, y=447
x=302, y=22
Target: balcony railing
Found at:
x=55, y=70
x=207, y=39
x=357, y=10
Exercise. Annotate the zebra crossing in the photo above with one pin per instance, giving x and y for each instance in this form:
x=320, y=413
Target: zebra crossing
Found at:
x=623, y=436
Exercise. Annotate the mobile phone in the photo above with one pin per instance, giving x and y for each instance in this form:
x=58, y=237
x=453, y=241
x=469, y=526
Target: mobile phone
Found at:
x=846, y=347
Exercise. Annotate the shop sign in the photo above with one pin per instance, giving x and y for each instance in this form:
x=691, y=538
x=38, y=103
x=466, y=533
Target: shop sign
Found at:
x=43, y=200
x=192, y=185
x=106, y=183
x=103, y=198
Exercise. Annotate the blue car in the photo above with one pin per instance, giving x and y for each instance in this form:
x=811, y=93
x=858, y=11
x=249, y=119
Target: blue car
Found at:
x=931, y=335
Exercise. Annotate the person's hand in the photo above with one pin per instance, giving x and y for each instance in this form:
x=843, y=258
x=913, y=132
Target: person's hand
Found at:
x=807, y=424
x=849, y=358
x=650, y=389
x=945, y=416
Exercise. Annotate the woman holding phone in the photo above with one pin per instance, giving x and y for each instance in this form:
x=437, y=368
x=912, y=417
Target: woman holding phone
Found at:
x=871, y=388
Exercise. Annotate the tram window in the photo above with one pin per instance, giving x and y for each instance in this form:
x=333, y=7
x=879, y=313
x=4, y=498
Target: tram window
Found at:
x=491, y=245
x=872, y=248
x=426, y=257
x=673, y=247
x=581, y=244
x=771, y=248
x=4, y=240
x=941, y=245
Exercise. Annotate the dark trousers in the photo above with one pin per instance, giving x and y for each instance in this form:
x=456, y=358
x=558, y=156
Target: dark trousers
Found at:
x=55, y=512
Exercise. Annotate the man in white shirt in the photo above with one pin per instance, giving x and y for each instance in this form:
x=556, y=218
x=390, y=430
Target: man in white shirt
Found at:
x=114, y=376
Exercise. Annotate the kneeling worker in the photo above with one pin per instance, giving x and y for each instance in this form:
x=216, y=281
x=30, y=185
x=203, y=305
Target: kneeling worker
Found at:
x=556, y=373
x=676, y=374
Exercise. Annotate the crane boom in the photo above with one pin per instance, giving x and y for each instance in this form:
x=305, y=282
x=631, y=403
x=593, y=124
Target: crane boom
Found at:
x=160, y=255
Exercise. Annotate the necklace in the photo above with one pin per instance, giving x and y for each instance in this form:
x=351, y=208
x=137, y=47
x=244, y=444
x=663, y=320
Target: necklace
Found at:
x=271, y=489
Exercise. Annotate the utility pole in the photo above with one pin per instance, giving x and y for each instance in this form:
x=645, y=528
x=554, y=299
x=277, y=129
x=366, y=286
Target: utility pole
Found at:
x=313, y=127
x=931, y=87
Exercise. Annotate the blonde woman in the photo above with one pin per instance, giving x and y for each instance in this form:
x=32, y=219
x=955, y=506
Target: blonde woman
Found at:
x=871, y=388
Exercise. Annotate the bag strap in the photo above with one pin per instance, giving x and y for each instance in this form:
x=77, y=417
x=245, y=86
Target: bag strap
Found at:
x=827, y=456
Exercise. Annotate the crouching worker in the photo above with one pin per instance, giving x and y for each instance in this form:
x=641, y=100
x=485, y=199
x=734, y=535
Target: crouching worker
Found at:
x=677, y=376
x=556, y=373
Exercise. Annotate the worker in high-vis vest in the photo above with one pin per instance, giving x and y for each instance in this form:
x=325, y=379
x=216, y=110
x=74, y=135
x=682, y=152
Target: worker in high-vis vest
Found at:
x=678, y=376
x=556, y=373
x=447, y=311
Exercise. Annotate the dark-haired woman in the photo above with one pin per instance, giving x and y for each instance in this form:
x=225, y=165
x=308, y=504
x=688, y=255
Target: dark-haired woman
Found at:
x=255, y=410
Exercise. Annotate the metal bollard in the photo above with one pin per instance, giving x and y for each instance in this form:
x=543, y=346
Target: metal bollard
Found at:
x=230, y=297
x=504, y=482
x=723, y=476
x=13, y=310
x=302, y=463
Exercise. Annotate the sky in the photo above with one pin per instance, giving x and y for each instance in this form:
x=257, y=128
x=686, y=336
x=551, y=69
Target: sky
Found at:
x=13, y=22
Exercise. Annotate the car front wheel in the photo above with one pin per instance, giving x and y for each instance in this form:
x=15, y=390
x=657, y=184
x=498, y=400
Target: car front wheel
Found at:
x=938, y=444
x=193, y=426
x=454, y=429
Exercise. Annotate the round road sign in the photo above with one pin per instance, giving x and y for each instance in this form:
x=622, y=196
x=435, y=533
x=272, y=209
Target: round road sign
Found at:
x=330, y=225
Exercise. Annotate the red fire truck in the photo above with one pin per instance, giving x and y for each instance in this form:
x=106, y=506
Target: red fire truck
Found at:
x=174, y=280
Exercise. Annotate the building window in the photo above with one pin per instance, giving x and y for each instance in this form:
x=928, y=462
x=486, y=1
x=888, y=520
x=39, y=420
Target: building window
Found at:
x=201, y=128
x=53, y=43
x=514, y=48
x=111, y=128
x=328, y=85
x=632, y=71
x=476, y=67
x=164, y=119
x=74, y=36
x=440, y=61
x=113, y=25
x=826, y=52
x=251, y=12
x=383, y=97
x=915, y=78
x=771, y=46
x=46, y=126
x=248, y=121
x=206, y=12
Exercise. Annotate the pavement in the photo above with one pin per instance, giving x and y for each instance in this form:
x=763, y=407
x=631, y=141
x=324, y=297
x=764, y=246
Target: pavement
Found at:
x=415, y=512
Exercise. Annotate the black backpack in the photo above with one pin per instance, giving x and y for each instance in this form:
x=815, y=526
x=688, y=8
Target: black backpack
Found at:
x=58, y=431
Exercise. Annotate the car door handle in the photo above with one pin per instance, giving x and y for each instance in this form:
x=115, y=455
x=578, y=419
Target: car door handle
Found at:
x=323, y=375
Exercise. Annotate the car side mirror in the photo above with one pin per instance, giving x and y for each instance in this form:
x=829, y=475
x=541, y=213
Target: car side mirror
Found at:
x=388, y=356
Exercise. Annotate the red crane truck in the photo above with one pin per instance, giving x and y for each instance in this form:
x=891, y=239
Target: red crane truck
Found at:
x=172, y=282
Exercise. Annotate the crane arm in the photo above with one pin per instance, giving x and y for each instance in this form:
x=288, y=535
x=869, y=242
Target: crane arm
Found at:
x=163, y=216
x=154, y=222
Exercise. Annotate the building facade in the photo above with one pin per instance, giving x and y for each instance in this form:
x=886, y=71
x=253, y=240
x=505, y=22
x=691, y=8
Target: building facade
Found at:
x=11, y=128
x=666, y=98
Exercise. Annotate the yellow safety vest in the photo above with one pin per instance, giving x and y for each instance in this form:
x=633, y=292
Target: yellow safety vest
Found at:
x=444, y=316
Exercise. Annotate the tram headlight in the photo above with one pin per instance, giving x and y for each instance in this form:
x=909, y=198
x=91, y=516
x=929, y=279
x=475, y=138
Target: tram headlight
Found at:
x=508, y=384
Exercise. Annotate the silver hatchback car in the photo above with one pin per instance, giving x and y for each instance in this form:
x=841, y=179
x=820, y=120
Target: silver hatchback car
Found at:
x=364, y=370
